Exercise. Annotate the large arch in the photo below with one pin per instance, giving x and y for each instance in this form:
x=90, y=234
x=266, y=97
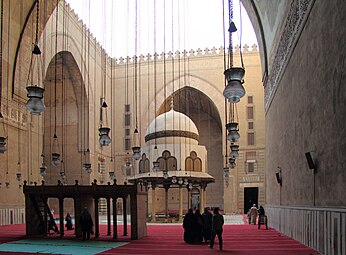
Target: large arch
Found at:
x=204, y=113
x=67, y=114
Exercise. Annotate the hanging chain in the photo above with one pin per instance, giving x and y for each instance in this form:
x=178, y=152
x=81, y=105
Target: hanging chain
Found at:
x=37, y=20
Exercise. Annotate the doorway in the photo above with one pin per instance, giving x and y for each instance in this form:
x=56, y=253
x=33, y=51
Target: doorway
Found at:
x=250, y=198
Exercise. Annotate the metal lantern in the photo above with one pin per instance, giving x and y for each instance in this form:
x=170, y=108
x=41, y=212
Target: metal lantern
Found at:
x=87, y=167
x=105, y=140
x=55, y=159
x=136, y=149
x=233, y=134
x=234, y=89
x=234, y=151
x=43, y=169
x=35, y=104
x=232, y=163
x=226, y=172
x=111, y=175
x=136, y=152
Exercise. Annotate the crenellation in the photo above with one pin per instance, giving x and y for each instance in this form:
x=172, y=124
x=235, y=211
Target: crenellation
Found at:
x=187, y=54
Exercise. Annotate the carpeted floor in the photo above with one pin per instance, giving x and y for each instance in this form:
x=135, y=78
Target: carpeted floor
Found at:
x=163, y=239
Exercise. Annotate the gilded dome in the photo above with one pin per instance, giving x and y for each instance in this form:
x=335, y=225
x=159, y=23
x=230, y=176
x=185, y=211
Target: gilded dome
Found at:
x=170, y=124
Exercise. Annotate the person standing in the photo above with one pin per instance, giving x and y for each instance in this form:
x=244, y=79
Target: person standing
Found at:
x=217, y=228
x=86, y=224
x=188, y=225
x=198, y=228
x=254, y=213
x=68, y=219
x=207, y=219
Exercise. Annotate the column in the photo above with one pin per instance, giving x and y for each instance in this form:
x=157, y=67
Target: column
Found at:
x=180, y=203
x=97, y=230
x=134, y=216
x=108, y=216
x=204, y=196
x=77, y=214
x=166, y=202
x=188, y=198
x=115, y=223
x=125, y=216
x=61, y=215
x=45, y=216
x=153, y=204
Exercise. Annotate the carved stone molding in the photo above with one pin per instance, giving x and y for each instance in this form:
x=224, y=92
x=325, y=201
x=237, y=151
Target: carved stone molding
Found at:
x=298, y=13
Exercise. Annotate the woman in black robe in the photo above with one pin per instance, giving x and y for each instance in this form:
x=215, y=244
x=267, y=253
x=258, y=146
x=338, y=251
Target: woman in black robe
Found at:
x=188, y=225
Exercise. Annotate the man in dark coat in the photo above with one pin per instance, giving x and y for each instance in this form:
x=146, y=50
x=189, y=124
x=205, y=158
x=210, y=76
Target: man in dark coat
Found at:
x=217, y=225
x=188, y=225
x=86, y=223
x=207, y=219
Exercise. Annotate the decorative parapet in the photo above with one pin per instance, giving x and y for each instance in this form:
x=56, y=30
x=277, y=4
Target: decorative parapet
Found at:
x=213, y=52
x=294, y=25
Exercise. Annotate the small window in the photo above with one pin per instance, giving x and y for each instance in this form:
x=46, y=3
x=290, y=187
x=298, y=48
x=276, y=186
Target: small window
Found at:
x=127, y=107
x=127, y=132
x=250, y=167
x=250, y=100
x=127, y=119
x=250, y=125
x=249, y=112
x=250, y=138
x=127, y=144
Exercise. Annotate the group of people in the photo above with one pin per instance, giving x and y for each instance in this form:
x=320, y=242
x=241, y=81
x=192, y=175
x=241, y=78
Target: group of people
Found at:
x=85, y=222
x=199, y=228
x=253, y=213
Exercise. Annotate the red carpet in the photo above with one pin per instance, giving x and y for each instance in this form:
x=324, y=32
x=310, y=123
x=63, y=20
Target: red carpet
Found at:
x=168, y=239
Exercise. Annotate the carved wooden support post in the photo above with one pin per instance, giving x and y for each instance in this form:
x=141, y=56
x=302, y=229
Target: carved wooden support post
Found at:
x=125, y=216
x=61, y=215
x=115, y=223
x=97, y=230
x=108, y=216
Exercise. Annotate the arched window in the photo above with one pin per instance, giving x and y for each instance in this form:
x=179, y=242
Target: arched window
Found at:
x=167, y=162
x=193, y=163
x=144, y=164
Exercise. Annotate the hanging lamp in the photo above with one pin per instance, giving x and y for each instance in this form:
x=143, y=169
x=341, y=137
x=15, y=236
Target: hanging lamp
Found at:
x=55, y=154
x=87, y=165
x=35, y=103
x=43, y=168
x=136, y=149
x=104, y=140
x=233, y=134
x=233, y=75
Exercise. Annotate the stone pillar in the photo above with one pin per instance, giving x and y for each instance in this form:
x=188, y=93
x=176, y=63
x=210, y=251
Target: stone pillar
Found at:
x=125, y=216
x=61, y=215
x=115, y=223
x=153, y=204
x=166, y=202
x=97, y=231
x=180, y=204
x=108, y=216
x=188, y=198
